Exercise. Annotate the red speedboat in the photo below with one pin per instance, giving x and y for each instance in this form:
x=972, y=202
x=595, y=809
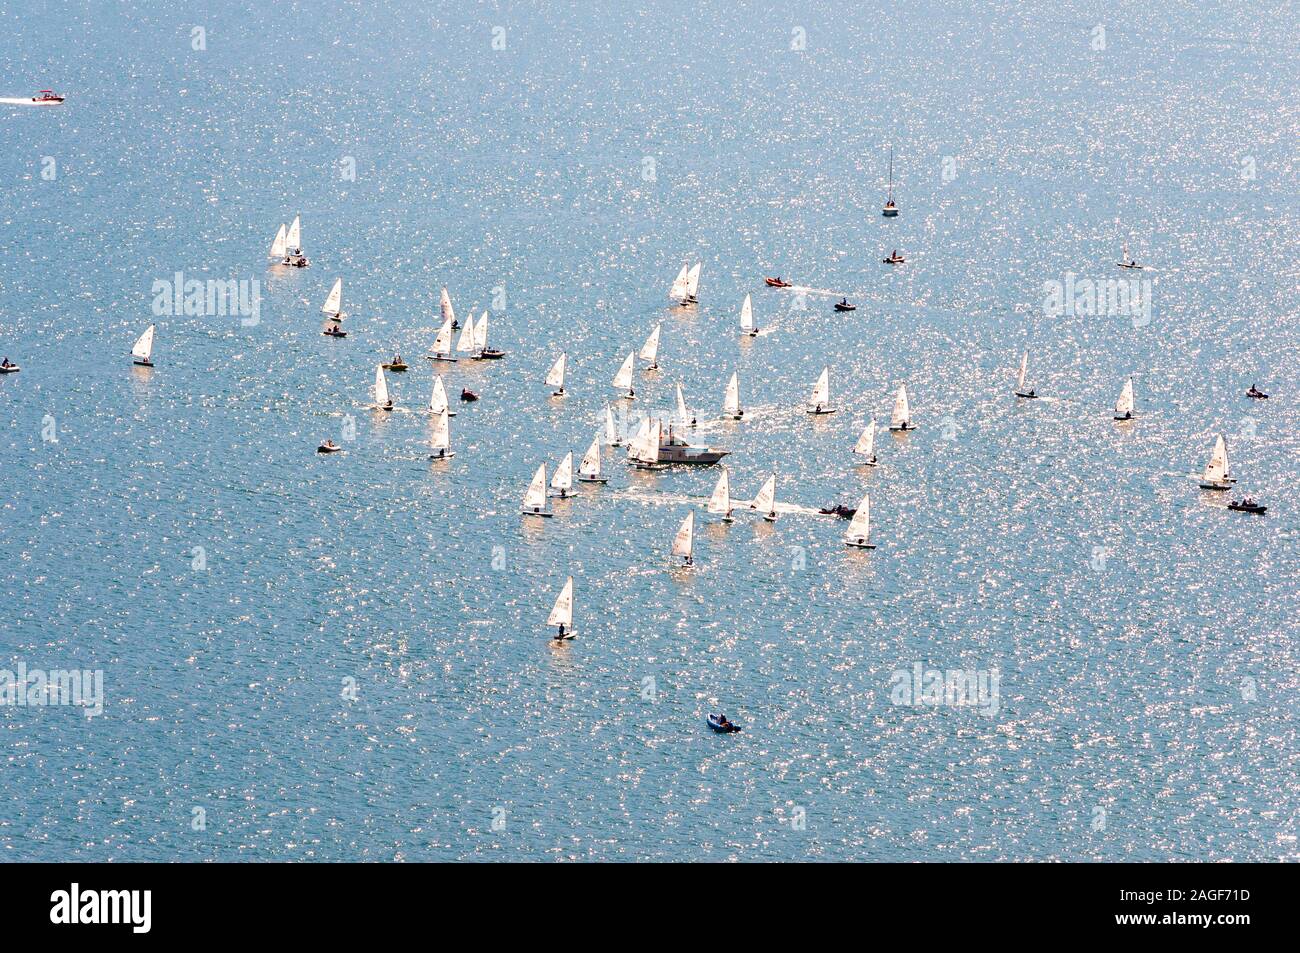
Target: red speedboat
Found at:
x=776, y=282
x=48, y=97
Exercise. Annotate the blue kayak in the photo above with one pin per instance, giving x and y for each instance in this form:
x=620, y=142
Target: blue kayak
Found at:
x=718, y=726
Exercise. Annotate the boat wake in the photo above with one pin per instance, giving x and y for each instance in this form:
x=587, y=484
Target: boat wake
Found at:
x=738, y=506
x=11, y=101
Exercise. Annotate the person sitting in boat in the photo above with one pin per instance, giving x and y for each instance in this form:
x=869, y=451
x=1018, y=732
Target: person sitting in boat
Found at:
x=329, y=445
x=817, y=409
x=467, y=394
x=722, y=721
x=6, y=363
x=397, y=360
x=844, y=302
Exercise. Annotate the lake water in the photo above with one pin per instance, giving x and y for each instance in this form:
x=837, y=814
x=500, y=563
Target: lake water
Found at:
x=345, y=657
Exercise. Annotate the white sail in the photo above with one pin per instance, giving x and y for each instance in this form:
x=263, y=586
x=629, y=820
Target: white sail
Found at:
x=279, y=245
x=645, y=447
x=1024, y=367
x=765, y=502
x=555, y=376
x=860, y=526
x=438, y=398
x=466, y=342
x=821, y=394
x=902, y=416
x=623, y=379
x=611, y=432
x=442, y=431
x=1216, y=471
x=683, y=414
x=143, y=348
x=720, y=501
x=563, y=478
x=747, y=315
x=293, y=241
x=480, y=333
x=334, y=302
x=680, y=284
x=535, y=498
x=684, y=541
x=444, y=304
x=650, y=350
x=381, y=386
x=1125, y=403
x=731, y=401
x=866, y=445
x=589, y=466
x=693, y=280
x=442, y=343
x=562, y=614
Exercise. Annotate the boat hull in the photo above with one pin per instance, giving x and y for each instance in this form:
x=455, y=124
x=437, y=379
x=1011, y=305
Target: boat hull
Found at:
x=1211, y=485
x=12, y=369
x=589, y=479
x=859, y=544
x=720, y=728
x=1026, y=396
x=691, y=455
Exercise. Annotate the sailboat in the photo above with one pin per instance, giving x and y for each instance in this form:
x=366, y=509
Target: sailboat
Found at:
x=1124, y=406
x=333, y=329
x=589, y=466
x=820, y=401
x=623, y=379
x=612, y=437
x=555, y=376
x=901, y=419
x=720, y=501
x=1127, y=261
x=765, y=502
x=465, y=343
x=747, y=317
x=535, y=498
x=438, y=398
x=866, y=445
x=860, y=526
x=1215, y=475
x=693, y=284
x=684, y=541
x=448, y=312
x=563, y=478
x=731, y=399
x=382, y=400
x=681, y=283
x=686, y=418
x=1020, y=381
x=442, y=437
x=650, y=350
x=279, y=246
x=293, y=245
x=643, y=453
x=485, y=353
x=142, y=350
x=890, y=210
x=334, y=302
x=442, y=343
x=562, y=614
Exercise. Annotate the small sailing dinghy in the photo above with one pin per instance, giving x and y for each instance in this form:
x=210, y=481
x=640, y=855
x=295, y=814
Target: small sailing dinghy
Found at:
x=589, y=466
x=894, y=258
x=562, y=614
x=293, y=255
x=765, y=502
x=684, y=541
x=720, y=501
x=721, y=725
x=693, y=284
x=465, y=343
x=438, y=398
x=1020, y=381
x=820, y=401
x=731, y=399
x=382, y=399
x=684, y=416
x=612, y=437
x=643, y=453
x=1128, y=261
x=891, y=209
x=442, y=343
x=442, y=437
x=447, y=311
x=650, y=350
x=681, y=283
x=142, y=350
x=901, y=419
x=747, y=325
x=280, y=246
x=562, y=481
x=866, y=445
x=1124, y=406
x=1215, y=475
x=535, y=498
x=555, y=376
x=484, y=353
x=623, y=379
x=333, y=305
x=860, y=526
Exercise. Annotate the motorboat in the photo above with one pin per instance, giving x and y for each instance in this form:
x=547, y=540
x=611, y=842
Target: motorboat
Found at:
x=776, y=282
x=673, y=449
x=843, y=305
